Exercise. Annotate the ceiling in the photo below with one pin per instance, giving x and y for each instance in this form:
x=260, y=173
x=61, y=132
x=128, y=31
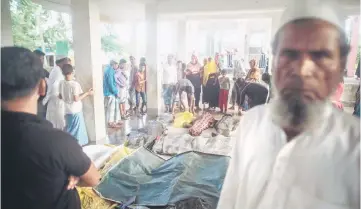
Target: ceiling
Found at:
x=130, y=10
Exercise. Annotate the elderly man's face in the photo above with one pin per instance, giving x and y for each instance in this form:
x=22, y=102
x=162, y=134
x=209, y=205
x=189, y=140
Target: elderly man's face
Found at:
x=307, y=61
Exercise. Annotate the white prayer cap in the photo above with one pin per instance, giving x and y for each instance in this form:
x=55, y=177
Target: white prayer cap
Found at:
x=326, y=10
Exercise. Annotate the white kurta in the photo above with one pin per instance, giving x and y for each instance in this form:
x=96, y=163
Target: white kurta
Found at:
x=169, y=74
x=319, y=169
x=55, y=111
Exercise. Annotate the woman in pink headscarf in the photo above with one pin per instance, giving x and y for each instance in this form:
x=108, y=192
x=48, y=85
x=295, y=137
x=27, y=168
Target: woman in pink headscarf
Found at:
x=193, y=74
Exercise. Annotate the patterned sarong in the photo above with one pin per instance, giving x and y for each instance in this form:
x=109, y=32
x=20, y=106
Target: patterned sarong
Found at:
x=202, y=124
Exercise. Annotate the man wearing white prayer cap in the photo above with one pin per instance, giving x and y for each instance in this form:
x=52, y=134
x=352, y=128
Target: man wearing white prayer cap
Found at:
x=55, y=111
x=298, y=152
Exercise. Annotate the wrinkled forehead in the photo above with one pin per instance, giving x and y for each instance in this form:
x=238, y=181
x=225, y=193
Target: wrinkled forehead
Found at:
x=314, y=35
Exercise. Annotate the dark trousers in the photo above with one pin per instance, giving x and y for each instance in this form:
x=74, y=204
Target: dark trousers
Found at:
x=197, y=95
x=138, y=95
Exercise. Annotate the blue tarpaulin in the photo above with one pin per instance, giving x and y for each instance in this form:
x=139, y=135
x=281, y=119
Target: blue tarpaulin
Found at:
x=153, y=181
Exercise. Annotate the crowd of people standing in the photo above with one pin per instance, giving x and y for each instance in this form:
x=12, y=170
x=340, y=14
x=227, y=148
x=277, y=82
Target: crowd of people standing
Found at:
x=207, y=83
x=124, y=84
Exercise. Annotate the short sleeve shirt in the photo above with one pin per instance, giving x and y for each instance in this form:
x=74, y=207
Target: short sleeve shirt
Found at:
x=37, y=160
x=69, y=89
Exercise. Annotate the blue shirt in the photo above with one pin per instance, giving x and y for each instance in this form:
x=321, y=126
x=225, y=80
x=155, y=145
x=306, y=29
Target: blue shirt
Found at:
x=109, y=84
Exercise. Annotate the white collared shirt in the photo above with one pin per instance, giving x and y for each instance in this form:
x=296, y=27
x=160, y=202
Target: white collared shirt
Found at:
x=169, y=74
x=319, y=169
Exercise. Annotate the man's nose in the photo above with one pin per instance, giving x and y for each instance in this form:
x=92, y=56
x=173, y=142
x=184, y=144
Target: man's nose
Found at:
x=306, y=66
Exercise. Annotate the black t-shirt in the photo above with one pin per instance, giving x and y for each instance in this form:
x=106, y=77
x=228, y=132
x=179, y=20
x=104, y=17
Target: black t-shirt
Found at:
x=36, y=161
x=256, y=93
x=195, y=80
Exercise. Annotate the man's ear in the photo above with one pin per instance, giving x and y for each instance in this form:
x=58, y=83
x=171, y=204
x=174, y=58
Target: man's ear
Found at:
x=42, y=87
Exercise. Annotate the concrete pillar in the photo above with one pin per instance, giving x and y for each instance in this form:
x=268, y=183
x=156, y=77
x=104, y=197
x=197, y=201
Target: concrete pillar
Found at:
x=354, y=43
x=134, y=43
x=182, y=44
x=274, y=28
x=87, y=48
x=6, y=29
x=153, y=74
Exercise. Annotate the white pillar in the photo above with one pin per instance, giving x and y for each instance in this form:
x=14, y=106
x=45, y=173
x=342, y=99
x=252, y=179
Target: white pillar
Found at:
x=134, y=43
x=86, y=39
x=6, y=31
x=182, y=41
x=274, y=28
x=153, y=73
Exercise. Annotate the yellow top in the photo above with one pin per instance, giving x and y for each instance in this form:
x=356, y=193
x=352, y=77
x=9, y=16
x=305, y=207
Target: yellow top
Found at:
x=209, y=69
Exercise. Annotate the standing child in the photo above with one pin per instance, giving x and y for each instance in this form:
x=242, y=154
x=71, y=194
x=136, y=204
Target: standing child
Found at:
x=140, y=88
x=224, y=84
x=71, y=93
x=121, y=80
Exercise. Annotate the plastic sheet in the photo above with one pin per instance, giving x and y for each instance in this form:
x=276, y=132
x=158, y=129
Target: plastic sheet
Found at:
x=226, y=125
x=172, y=145
x=137, y=139
x=182, y=118
x=165, y=118
x=192, y=203
x=156, y=182
x=99, y=154
x=155, y=128
x=88, y=198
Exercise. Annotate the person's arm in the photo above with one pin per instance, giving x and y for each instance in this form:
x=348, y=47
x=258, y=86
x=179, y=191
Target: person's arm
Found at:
x=80, y=97
x=112, y=84
x=242, y=96
x=70, y=156
x=229, y=83
x=78, y=93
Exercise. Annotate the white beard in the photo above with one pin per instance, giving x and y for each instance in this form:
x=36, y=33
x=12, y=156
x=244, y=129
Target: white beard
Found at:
x=296, y=113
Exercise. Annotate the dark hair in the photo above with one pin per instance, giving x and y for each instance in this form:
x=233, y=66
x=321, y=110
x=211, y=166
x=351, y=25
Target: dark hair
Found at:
x=223, y=71
x=184, y=66
x=188, y=90
x=39, y=53
x=142, y=64
x=344, y=46
x=266, y=78
x=67, y=69
x=57, y=62
x=122, y=61
x=21, y=72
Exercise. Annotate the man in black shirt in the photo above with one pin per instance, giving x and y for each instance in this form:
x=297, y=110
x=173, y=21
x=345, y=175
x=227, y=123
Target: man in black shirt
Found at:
x=40, y=165
x=257, y=93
